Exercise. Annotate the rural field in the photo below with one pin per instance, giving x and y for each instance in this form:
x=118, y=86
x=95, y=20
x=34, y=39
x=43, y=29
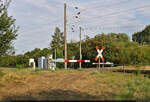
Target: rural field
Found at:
x=85, y=84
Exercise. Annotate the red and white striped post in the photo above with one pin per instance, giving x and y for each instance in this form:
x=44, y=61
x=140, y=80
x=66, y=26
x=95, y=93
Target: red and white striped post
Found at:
x=86, y=61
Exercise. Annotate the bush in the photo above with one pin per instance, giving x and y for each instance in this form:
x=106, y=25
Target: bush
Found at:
x=20, y=66
x=11, y=61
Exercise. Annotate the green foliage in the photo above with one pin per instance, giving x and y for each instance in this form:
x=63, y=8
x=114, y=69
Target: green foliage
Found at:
x=118, y=49
x=37, y=53
x=57, y=44
x=57, y=39
x=7, y=61
x=20, y=66
x=142, y=37
x=8, y=30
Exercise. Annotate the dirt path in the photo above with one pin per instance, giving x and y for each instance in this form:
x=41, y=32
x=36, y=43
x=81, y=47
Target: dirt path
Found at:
x=67, y=81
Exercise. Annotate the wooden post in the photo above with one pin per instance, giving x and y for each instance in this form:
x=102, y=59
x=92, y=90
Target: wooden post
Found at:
x=65, y=35
x=103, y=65
x=80, y=49
x=55, y=57
x=99, y=63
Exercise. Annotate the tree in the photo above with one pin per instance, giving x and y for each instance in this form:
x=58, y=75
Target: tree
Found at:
x=142, y=37
x=57, y=39
x=57, y=42
x=36, y=53
x=8, y=30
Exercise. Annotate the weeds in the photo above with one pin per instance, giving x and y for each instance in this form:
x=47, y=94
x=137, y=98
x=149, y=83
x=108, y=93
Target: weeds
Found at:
x=148, y=76
x=57, y=69
x=20, y=66
x=2, y=85
x=1, y=74
x=94, y=73
x=137, y=71
x=80, y=69
x=137, y=89
x=36, y=71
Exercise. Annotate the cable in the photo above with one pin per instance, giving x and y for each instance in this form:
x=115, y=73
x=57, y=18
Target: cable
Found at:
x=127, y=10
x=102, y=27
x=121, y=2
x=114, y=4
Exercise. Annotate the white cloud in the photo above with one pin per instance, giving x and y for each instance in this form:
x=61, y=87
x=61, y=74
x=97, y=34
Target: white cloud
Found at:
x=40, y=17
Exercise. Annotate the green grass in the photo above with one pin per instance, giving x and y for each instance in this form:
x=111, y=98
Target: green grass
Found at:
x=136, y=89
x=126, y=86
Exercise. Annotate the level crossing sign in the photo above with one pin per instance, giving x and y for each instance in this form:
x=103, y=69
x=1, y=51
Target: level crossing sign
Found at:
x=100, y=53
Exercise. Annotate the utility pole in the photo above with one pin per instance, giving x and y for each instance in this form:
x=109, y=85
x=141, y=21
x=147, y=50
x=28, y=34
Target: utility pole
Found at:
x=80, y=48
x=65, y=35
x=55, y=57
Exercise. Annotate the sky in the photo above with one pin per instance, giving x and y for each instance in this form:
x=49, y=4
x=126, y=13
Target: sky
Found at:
x=37, y=19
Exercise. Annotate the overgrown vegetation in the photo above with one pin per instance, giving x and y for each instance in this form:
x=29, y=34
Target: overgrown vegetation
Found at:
x=103, y=86
x=118, y=49
x=36, y=71
x=1, y=74
x=2, y=85
x=94, y=73
x=137, y=89
x=20, y=66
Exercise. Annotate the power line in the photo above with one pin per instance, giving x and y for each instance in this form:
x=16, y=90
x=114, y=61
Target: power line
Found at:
x=127, y=10
x=127, y=26
x=115, y=13
x=114, y=4
x=101, y=6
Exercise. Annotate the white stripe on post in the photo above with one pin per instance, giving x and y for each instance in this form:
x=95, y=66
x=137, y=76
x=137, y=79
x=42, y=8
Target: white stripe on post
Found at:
x=76, y=60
